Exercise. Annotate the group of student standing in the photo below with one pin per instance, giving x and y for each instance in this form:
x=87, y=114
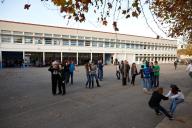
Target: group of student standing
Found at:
x=60, y=75
x=149, y=73
x=93, y=71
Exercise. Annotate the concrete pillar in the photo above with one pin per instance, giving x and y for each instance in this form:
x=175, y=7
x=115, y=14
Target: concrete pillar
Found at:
x=91, y=56
x=61, y=57
x=23, y=64
x=43, y=58
x=103, y=58
x=1, y=65
x=77, y=58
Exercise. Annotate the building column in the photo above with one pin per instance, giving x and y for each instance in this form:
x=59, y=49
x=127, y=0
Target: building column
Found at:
x=23, y=61
x=91, y=56
x=43, y=58
x=61, y=57
x=1, y=65
x=103, y=58
x=77, y=58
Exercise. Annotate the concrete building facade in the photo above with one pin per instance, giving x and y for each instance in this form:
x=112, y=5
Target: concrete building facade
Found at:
x=40, y=44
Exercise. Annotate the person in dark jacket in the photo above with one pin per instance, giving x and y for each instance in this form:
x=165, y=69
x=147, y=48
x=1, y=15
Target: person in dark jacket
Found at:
x=155, y=100
x=55, y=77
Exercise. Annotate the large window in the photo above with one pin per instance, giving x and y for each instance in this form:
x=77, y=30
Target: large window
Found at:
x=100, y=44
x=128, y=46
x=73, y=43
x=117, y=45
x=112, y=45
x=94, y=44
x=122, y=45
x=6, y=39
x=56, y=41
x=48, y=40
x=106, y=44
x=66, y=42
x=81, y=43
x=38, y=40
x=28, y=40
x=87, y=43
x=17, y=39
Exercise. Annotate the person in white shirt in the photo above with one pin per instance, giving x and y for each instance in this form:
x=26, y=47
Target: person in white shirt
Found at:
x=189, y=69
x=176, y=97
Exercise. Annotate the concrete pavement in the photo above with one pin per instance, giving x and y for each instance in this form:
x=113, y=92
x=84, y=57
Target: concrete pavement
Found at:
x=27, y=102
x=183, y=116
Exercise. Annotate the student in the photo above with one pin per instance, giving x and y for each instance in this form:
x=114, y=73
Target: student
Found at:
x=71, y=70
x=176, y=97
x=146, y=72
x=142, y=78
x=88, y=75
x=100, y=70
x=133, y=73
x=55, y=77
x=155, y=100
x=156, y=70
x=189, y=69
x=175, y=64
x=93, y=70
x=118, y=74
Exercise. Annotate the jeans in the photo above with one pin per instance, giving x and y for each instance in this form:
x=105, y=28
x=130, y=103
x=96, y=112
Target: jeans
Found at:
x=71, y=76
x=161, y=109
x=100, y=74
x=174, y=103
x=156, y=81
x=143, y=82
x=88, y=80
x=147, y=83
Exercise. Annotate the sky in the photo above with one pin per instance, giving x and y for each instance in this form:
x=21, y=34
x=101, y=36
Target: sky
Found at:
x=47, y=14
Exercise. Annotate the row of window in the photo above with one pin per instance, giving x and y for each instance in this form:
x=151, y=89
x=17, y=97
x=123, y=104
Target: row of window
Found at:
x=154, y=55
x=75, y=37
x=65, y=42
x=156, y=58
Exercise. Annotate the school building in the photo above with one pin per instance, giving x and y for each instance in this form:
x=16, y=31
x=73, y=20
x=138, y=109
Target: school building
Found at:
x=39, y=45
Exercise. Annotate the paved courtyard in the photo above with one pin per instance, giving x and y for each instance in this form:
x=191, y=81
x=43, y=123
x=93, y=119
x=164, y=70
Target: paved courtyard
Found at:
x=27, y=101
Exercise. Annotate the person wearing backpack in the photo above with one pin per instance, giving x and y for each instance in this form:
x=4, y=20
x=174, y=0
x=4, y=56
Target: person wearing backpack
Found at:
x=146, y=72
x=156, y=69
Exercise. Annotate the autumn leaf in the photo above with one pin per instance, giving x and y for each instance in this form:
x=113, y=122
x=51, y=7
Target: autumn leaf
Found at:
x=27, y=6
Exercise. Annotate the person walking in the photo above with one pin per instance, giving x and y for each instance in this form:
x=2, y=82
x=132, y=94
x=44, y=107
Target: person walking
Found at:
x=63, y=88
x=125, y=72
x=71, y=71
x=66, y=72
x=88, y=75
x=100, y=70
x=189, y=68
x=156, y=69
x=176, y=97
x=133, y=73
x=155, y=100
x=175, y=64
x=118, y=73
x=55, y=77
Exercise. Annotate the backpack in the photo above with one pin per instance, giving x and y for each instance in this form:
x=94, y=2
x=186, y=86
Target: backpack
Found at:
x=146, y=72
